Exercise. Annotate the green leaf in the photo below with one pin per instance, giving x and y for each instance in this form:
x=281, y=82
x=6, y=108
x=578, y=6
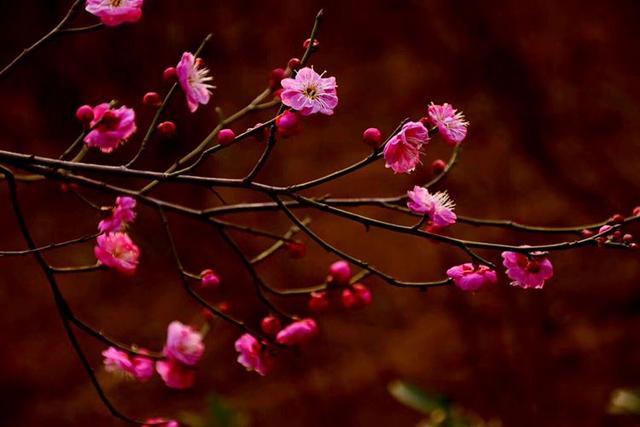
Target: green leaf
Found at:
x=416, y=398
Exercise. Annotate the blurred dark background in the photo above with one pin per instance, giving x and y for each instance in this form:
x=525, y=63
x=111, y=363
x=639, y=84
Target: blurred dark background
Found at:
x=551, y=91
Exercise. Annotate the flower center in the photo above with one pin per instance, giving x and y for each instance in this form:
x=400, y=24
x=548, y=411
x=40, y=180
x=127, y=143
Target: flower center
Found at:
x=311, y=92
x=533, y=267
x=116, y=3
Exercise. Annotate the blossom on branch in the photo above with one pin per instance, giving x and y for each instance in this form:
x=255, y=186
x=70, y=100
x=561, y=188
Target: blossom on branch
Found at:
x=194, y=80
x=123, y=214
x=110, y=127
x=438, y=206
x=450, y=122
x=175, y=374
x=528, y=271
x=253, y=355
x=310, y=93
x=402, y=152
x=117, y=251
x=297, y=333
x=183, y=343
x=115, y=12
x=469, y=277
x=119, y=362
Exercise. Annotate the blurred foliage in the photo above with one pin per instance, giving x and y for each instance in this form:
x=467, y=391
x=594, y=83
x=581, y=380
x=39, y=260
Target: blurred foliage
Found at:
x=625, y=402
x=219, y=413
x=439, y=410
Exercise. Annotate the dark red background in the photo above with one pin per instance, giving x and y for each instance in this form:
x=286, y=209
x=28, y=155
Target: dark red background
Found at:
x=551, y=91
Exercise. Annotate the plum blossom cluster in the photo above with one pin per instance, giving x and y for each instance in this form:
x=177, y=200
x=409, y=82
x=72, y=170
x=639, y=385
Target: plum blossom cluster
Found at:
x=183, y=350
x=402, y=152
x=114, y=248
x=297, y=91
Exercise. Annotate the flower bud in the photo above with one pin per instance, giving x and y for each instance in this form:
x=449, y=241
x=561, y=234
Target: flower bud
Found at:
x=207, y=314
x=167, y=128
x=318, y=302
x=84, y=114
x=586, y=233
x=438, y=166
x=617, y=219
x=296, y=249
x=288, y=124
x=226, y=136
x=271, y=325
x=348, y=299
x=224, y=307
x=152, y=99
x=209, y=279
x=372, y=137
x=307, y=42
x=169, y=73
x=627, y=238
x=293, y=64
x=276, y=75
x=636, y=211
x=363, y=294
x=339, y=273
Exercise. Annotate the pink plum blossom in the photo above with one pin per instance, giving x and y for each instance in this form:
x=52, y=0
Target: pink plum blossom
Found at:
x=402, y=152
x=110, y=127
x=299, y=332
x=253, y=355
x=115, y=12
x=119, y=362
x=183, y=344
x=194, y=80
x=472, y=278
x=117, y=251
x=527, y=271
x=123, y=213
x=438, y=206
x=160, y=422
x=175, y=374
x=142, y=367
x=310, y=93
x=449, y=121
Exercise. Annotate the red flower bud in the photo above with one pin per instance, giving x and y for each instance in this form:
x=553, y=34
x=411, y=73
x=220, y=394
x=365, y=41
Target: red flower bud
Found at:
x=275, y=77
x=293, y=64
x=271, y=325
x=348, y=299
x=617, y=219
x=209, y=279
x=316, y=44
x=372, y=137
x=438, y=166
x=318, y=302
x=224, y=307
x=363, y=294
x=586, y=233
x=167, y=128
x=296, y=249
x=339, y=273
x=152, y=99
x=226, y=136
x=169, y=73
x=84, y=114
